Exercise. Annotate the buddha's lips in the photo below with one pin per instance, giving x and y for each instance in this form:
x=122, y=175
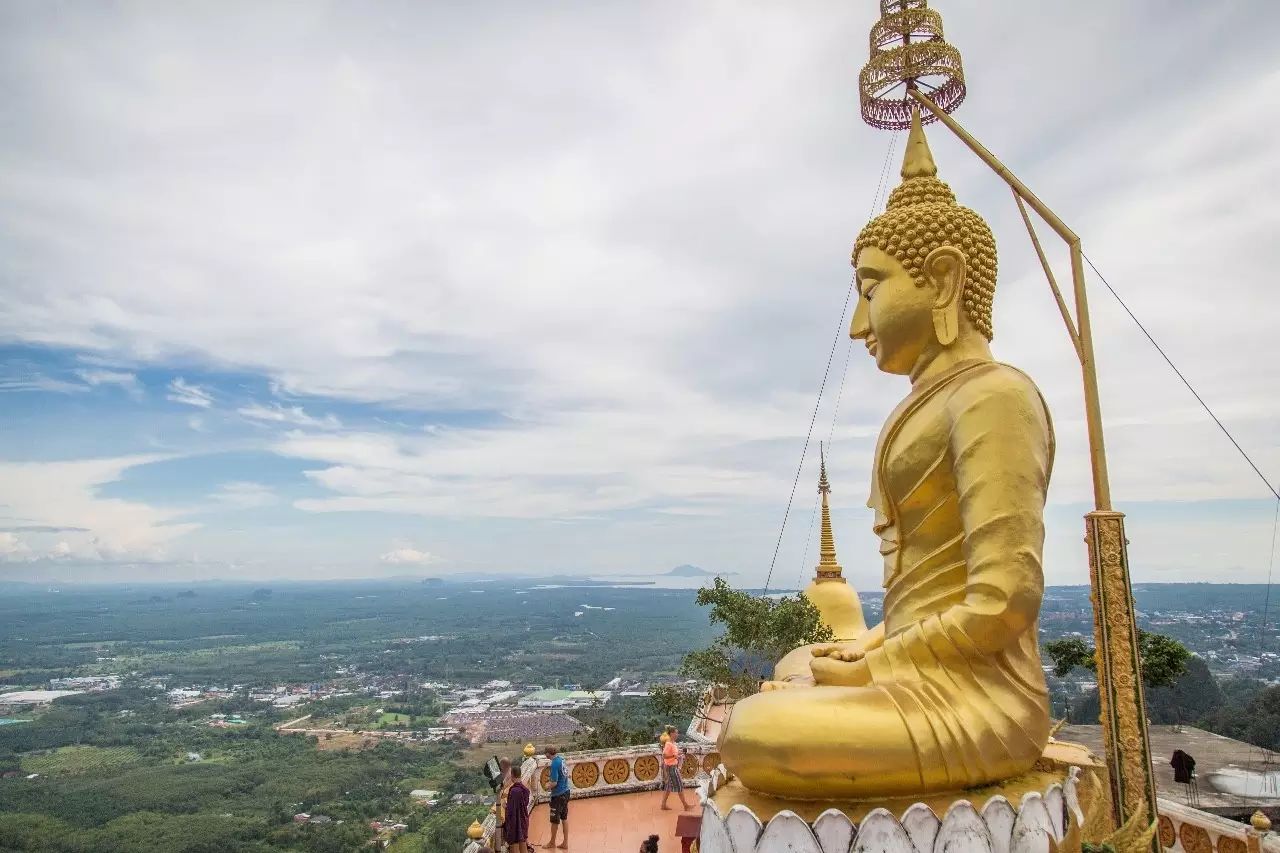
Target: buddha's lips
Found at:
x=871, y=346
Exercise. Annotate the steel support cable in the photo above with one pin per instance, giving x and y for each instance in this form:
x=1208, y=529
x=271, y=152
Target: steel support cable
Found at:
x=1268, y=781
x=1271, y=564
x=807, y=438
x=875, y=201
x=1185, y=382
x=835, y=412
x=1275, y=524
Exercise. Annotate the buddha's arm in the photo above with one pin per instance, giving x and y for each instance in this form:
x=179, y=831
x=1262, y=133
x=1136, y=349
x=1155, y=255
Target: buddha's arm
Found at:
x=1002, y=444
x=1002, y=448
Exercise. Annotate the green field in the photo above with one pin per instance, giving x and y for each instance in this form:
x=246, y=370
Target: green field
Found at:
x=394, y=721
x=68, y=760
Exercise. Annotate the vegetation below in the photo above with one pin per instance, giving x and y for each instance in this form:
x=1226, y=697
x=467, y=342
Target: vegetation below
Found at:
x=117, y=771
x=115, y=774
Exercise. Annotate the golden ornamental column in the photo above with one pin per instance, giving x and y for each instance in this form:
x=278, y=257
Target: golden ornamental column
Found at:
x=1115, y=636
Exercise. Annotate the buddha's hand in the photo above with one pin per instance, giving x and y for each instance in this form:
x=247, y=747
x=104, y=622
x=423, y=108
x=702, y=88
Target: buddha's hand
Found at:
x=852, y=650
x=850, y=670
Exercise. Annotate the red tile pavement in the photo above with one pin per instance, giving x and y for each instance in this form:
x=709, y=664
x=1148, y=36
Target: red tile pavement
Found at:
x=617, y=823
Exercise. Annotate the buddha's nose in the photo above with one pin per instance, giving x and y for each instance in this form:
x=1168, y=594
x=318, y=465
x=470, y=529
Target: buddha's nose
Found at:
x=859, y=327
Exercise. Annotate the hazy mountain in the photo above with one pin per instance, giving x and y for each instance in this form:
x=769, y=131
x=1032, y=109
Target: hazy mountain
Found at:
x=688, y=571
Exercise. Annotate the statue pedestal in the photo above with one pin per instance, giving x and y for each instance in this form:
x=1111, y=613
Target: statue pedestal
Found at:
x=1055, y=806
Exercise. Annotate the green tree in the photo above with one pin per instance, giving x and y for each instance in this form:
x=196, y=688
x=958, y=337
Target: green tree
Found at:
x=606, y=734
x=757, y=632
x=1191, y=698
x=1163, y=659
x=1256, y=722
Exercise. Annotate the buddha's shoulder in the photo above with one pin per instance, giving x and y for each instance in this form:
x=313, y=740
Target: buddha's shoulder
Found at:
x=995, y=384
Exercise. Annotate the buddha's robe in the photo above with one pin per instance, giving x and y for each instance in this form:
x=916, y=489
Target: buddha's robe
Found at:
x=955, y=695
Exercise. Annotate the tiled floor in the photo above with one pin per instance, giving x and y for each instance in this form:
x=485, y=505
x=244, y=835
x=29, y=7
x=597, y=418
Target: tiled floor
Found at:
x=616, y=824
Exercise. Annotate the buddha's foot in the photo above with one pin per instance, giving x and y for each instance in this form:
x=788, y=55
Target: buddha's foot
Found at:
x=846, y=655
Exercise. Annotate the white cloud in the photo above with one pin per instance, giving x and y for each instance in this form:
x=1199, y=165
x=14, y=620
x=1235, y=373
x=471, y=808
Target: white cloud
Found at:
x=407, y=555
x=181, y=391
x=292, y=415
x=626, y=269
x=245, y=495
x=19, y=377
x=65, y=496
x=125, y=380
x=13, y=548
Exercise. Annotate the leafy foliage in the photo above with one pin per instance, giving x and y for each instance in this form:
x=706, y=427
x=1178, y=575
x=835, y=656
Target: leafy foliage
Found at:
x=127, y=787
x=1255, y=721
x=626, y=722
x=1191, y=699
x=1163, y=659
x=757, y=632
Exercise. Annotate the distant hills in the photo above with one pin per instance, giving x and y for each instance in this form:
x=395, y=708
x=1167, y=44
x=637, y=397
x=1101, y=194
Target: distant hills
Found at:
x=688, y=571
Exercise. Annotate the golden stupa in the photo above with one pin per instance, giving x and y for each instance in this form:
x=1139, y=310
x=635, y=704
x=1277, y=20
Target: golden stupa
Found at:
x=836, y=600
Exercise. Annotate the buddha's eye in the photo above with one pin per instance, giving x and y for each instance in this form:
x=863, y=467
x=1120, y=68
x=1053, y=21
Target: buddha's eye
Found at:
x=868, y=291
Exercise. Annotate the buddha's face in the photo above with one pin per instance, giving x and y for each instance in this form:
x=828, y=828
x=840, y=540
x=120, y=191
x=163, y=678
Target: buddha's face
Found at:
x=894, y=314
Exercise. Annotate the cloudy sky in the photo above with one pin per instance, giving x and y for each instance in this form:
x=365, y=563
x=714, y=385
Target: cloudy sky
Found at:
x=346, y=289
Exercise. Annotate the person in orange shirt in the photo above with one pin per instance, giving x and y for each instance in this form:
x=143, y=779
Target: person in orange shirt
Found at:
x=671, y=781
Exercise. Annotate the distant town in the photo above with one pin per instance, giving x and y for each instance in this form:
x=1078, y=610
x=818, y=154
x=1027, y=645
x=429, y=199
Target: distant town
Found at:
x=381, y=700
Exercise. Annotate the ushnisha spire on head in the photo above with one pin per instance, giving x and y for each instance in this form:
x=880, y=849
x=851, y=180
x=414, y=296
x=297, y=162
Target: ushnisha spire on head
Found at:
x=922, y=214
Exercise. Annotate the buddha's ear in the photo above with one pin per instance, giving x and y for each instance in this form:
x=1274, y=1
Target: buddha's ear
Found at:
x=944, y=268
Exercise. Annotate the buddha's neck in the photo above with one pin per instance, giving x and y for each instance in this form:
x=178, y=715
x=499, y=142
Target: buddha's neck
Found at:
x=938, y=359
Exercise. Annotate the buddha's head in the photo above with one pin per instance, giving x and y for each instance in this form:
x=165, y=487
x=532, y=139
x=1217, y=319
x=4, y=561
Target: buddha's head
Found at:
x=926, y=269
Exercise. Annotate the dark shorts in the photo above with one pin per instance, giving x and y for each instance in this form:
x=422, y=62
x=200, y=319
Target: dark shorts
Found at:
x=559, y=808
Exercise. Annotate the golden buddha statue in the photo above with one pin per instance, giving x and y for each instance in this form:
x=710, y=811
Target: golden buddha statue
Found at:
x=947, y=692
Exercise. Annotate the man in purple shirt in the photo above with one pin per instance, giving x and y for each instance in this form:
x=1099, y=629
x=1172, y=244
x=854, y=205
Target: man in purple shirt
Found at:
x=515, y=829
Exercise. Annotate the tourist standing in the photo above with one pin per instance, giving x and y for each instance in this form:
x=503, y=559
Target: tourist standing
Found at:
x=671, y=781
x=559, y=798
x=515, y=826
x=505, y=777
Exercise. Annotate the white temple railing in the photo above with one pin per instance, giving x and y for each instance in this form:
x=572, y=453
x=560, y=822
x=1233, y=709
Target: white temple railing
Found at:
x=1183, y=829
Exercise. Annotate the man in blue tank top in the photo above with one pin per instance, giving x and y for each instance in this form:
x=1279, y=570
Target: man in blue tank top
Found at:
x=559, y=798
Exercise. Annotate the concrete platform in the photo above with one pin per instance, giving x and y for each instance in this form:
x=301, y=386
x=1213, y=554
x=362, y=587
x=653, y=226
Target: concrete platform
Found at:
x=1212, y=753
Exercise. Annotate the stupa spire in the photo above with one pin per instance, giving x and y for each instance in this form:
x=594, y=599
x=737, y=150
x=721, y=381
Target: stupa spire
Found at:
x=828, y=568
x=836, y=600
